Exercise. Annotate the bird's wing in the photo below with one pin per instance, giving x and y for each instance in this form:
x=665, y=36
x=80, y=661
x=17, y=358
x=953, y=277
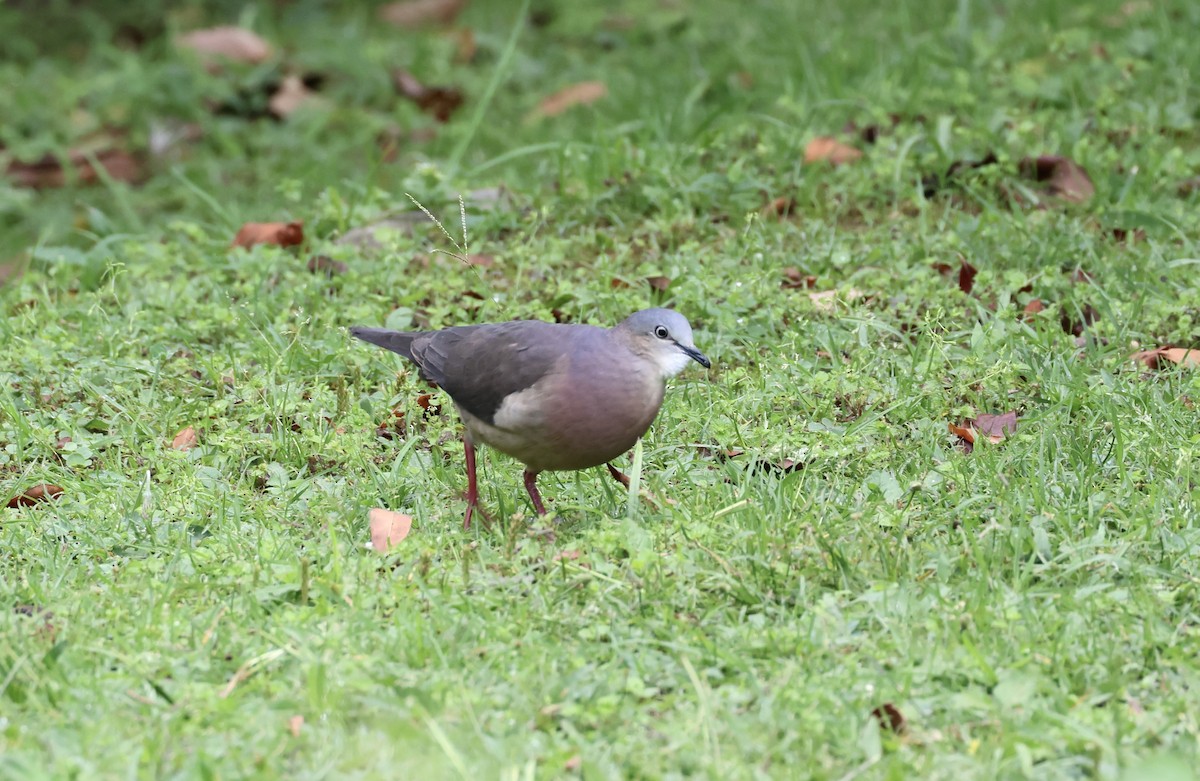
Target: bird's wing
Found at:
x=480, y=366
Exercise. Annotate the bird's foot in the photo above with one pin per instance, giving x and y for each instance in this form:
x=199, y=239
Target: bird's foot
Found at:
x=646, y=494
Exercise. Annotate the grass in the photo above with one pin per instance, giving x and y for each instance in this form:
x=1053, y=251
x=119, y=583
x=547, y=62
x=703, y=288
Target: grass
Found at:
x=1030, y=608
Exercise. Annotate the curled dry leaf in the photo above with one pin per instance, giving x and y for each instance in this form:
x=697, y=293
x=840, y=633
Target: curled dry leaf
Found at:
x=290, y=95
x=992, y=427
x=1063, y=177
x=185, y=439
x=418, y=13
x=35, y=494
x=932, y=183
x=323, y=264
x=1158, y=358
x=428, y=408
x=283, y=234
x=227, y=42
x=80, y=167
x=582, y=94
x=794, y=280
x=825, y=149
x=966, y=277
x=783, y=206
x=388, y=528
x=996, y=427
x=439, y=102
x=890, y=718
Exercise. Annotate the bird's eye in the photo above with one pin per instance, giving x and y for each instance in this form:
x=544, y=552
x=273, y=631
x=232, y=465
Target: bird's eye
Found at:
x=661, y=332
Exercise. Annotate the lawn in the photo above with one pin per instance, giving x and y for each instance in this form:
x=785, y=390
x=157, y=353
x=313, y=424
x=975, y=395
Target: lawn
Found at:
x=834, y=582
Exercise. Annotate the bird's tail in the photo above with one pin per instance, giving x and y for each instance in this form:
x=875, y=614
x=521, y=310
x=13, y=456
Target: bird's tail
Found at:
x=396, y=341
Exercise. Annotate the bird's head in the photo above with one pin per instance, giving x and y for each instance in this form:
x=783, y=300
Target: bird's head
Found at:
x=664, y=337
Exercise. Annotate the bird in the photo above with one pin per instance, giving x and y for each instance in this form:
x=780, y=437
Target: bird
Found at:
x=553, y=396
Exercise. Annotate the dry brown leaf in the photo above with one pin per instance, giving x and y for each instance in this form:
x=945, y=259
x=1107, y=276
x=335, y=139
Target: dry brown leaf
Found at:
x=323, y=264
x=295, y=724
x=794, y=280
x=890, y=718
x=185, y=439
x=465, y=48
x=964, y=433
x=566, y=555
x=428, y=408
x=996, y=427
x=583, y=94
x=1087, y=316
x=283, y=234
x=48, y=171
x=439, y=102
x=659, y=283
x=573, y=763
x=932, y=183
x=388, y=528
x=1063, y=177
x=966, y=277
x=417, y=13
x=35, y=494
x=826, y=300
x=1034, y=306
x=783, y=206
x=227, y=42
x=826, y=149
x=290, y=95
x=1153, y=359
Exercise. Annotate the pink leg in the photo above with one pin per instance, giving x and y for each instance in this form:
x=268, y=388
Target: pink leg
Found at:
x=472, y=486
x=531, y=487
x=618, y=475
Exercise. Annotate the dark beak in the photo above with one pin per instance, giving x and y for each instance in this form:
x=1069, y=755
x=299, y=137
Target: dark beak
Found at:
x=696, y=356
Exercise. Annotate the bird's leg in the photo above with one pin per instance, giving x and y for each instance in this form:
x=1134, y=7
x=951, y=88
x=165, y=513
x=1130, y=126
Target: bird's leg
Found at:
x=472, y=487
x=531, y=487
x=618, y=475
x=623, y=479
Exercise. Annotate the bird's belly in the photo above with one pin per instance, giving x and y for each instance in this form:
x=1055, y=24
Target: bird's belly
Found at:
x=593, y=429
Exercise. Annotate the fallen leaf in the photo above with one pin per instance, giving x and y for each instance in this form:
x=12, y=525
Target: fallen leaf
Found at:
x=43, y=492
x=932, y=183
x=482, y=261
x=295, y=723
x=573, y=763
x=890, y=718
x=1153, y=359
x=47, y=630
x=825, y=149
x=1034, y=306
x=417, y=13
x=428, y=408
x=996, y=427
x=1087, y=316
x=826, y=300
x=966, y=277
x=616, y=283
x=372, y=235
x=289, y=96
x=283, y=234
x=185, y=439
x=964, y=433
x=582, y=94
x=465, y=48
x=794, y=280
x=566, y=555
x=440, y=102
x=323, y=264
x=388, y=528
x=783, y=206
x=1063, y=177
x=659, y=283
x=49, y=171
x=226, y=42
